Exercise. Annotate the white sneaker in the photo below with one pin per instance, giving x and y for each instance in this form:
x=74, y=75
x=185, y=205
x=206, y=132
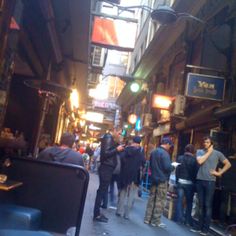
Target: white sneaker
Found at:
x=146, y=222
x=162, y=225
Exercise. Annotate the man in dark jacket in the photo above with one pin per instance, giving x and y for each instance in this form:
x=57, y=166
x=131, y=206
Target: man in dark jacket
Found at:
x=109, y=149
x=132, y=160
x=63, y=153
x=160, y=164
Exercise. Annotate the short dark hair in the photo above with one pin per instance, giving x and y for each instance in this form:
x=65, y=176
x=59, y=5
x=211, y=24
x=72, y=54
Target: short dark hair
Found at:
x=137, y=139
x=189, y=148
x=67, y=139
x=210, y=138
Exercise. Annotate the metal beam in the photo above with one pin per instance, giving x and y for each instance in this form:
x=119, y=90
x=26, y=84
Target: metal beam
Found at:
x=115, y=17
x=34, y=60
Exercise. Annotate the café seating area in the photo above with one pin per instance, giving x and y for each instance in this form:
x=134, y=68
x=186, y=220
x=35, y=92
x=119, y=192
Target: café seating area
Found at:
x=50, y=200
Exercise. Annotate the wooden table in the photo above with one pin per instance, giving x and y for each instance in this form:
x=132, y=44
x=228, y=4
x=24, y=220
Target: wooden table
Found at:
x=9, y=185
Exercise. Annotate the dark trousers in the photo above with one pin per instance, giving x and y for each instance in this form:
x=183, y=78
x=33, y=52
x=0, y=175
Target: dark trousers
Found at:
x=105, y=175
x=205, y=191
x=187, y=191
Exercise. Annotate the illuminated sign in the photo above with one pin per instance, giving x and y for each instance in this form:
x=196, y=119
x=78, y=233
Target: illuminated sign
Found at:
x=93, y=116
x=138, y=124
x=106, y=105
x=205, y=87
x=162, y=102
x=114, y=34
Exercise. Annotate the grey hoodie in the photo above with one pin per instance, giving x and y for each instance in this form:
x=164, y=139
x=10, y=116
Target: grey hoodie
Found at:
x=64, y=155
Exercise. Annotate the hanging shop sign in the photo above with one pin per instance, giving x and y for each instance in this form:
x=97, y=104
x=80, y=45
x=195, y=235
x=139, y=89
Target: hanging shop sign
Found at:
x=105, y=105
x=205, y=87
x=109, y=33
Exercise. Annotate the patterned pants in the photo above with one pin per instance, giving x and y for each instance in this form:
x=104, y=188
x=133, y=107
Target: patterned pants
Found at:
x=126, y=199
x=156, y=203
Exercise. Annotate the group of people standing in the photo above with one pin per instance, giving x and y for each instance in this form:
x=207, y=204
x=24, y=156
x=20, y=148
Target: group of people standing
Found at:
x=131, y=159
x=196, y=171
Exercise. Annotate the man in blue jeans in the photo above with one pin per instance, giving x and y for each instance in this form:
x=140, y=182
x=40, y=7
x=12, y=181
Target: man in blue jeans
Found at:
x=207, y=158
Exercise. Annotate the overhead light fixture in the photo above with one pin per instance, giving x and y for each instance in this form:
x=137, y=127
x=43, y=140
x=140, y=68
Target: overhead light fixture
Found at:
x=132, y=119
x=153, y=12
x=167, y=15
x=135, y=87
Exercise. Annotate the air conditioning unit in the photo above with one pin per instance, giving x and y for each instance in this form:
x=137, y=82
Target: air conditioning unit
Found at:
x=179, y=105
x=99, y=55
x=93, y=78
x=147, y=119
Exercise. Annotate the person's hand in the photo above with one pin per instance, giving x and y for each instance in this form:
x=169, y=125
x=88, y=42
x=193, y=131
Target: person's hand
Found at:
x=210, y=149
x=215, y=173
x=120, y=148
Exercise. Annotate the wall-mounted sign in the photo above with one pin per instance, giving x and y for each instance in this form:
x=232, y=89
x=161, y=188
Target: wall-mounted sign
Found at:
x=205, y=87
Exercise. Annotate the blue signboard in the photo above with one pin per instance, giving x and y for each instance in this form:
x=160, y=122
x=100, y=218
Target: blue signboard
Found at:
x=205, y=87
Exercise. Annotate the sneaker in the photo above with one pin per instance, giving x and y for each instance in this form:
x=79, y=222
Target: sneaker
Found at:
x=154, y=225
x=146, y=222
x=204, y=233
x=101, y=218
x=126, y=217
x=118, y=214
x=195, y=230
x=162, y=225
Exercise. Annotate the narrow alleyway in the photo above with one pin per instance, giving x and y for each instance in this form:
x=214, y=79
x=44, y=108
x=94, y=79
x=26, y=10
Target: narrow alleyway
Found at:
x=121, y=227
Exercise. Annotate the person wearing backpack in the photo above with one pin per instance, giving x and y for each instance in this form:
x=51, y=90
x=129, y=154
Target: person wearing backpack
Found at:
x=185, y=173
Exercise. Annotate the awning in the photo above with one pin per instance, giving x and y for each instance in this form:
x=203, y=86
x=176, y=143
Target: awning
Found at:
x=199, y=118
x=226, y=111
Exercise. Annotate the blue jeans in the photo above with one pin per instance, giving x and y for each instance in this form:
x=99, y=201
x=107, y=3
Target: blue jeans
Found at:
x=205, y=191
x=187, y=191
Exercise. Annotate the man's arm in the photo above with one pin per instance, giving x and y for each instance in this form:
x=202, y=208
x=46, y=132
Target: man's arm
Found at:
x=203, y=158
x=108, y=149
x=168, y=168
x=226, y=166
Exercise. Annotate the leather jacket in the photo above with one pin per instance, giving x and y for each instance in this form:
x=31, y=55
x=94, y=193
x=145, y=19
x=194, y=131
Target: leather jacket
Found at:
x=108, y=151
x=188, y=168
